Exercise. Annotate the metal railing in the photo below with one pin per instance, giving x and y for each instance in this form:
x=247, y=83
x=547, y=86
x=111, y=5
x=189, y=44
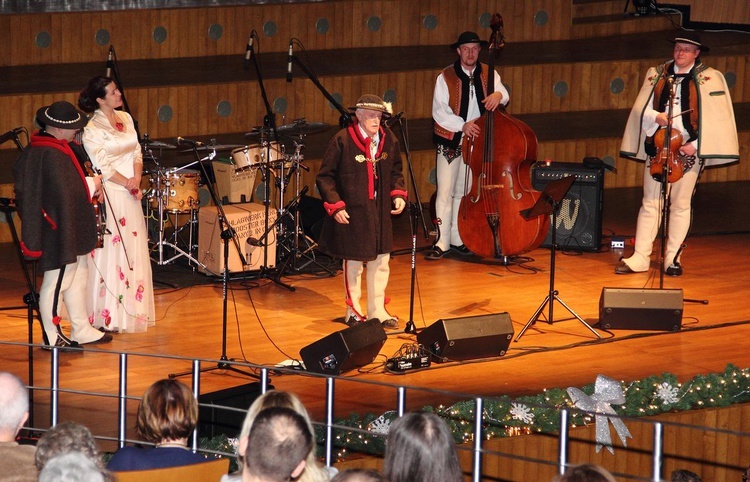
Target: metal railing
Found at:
x=479, y=453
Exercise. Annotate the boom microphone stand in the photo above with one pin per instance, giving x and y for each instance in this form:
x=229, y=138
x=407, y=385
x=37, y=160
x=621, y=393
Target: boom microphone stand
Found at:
x=269, y=124
x=227, y=233
x=415, y=213
x=549, y=202
x=113, y=68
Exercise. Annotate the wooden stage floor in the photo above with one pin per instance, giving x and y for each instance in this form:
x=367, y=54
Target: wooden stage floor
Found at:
x=268, y=324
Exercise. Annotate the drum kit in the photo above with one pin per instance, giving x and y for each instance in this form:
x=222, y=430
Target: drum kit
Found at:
x=172, y=196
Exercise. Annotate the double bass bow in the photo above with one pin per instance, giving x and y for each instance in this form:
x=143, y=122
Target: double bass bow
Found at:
x=499, y=161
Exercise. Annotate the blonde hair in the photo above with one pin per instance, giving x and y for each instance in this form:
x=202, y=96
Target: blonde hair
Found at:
x=313, y=472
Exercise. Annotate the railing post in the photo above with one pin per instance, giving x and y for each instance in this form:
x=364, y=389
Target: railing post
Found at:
x=122, y=401
x=658, y=451
x=478, y=416
x=401, y=400
x=329, y=421
x=263, y=380
x=196, y=393
x=562, y=449
x=55, y=387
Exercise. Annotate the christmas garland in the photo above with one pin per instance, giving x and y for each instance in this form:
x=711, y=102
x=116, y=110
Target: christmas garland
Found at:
x=506, y=416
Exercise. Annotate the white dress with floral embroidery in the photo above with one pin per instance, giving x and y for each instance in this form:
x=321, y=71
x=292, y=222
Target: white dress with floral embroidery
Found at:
x=121, y=294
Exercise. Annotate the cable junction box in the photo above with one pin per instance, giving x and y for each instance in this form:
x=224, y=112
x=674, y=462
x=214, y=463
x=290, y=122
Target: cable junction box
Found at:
x=409, y=362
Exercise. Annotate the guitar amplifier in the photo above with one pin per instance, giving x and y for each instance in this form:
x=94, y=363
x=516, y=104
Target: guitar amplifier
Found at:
x=579, y=219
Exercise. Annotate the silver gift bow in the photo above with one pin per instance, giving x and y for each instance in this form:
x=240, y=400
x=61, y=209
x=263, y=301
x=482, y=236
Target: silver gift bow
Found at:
x=606, y=392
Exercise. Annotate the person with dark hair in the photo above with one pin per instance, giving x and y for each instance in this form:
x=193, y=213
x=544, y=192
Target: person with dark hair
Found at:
x=362, y=186
x=358, y=475
x=585, y=473
x=459, y=99
x=684, y=476
x=167, y=415
x=702, y=116
x=121, y=293
x=420, y=447
x=59, y=228
x=16, y=461
x=313, y=472
x=277, y=446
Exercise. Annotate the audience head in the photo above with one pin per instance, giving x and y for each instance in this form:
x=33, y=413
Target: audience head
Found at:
x=66, y=437
x=14, y=406
x=277, y=446
x=95, y=89
x=684, y=476
x=420, y=447
x=358, y=475
x=585, y=473
x=71, y=467
x=168, y=411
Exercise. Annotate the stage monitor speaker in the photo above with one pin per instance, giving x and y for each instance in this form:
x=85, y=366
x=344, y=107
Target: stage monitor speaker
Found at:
x=248, y=221
x=465, y=338
x=579, y=220
x=215, y=421
x=345, y=350
x=640, y=309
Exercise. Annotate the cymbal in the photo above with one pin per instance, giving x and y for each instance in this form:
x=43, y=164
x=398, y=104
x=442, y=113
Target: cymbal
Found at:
x=146, y=142
x=301, y=126
x=215, y=147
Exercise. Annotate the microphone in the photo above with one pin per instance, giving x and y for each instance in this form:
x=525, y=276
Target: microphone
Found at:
x=389, y=122
x=248, y=51
x=110, y=64
x=11, y=134
x=289, y=62
x=182, y=140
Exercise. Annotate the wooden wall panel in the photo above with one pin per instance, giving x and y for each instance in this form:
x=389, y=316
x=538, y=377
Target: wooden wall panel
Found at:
x=73, y=35
x=725, y=11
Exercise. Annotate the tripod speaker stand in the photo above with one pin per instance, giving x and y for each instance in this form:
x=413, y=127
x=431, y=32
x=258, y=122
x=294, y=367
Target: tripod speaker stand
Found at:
x=549, y=203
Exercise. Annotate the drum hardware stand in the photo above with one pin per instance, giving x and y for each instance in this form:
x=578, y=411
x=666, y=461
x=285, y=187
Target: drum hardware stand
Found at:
x=415, y=213
x=227, y=233
x=549, y=203
x=296, y=252
x=162, y=193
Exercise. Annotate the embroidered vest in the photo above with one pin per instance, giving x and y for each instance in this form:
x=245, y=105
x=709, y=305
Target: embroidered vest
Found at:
x=458, y=99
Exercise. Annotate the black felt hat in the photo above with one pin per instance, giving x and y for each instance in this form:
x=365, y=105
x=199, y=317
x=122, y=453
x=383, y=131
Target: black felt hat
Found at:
x=691, y=38
x=62, y=115
x=469, y=38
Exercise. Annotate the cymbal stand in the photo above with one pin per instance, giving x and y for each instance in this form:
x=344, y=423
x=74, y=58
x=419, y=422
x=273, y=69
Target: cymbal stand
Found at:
x=294, y=243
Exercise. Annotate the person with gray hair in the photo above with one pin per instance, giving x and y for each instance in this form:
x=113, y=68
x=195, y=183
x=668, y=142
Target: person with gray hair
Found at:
x=358, y=475
x=585, y=473
x=16, y=461
x=685, y=476
x=67, y=437
x=71, y=467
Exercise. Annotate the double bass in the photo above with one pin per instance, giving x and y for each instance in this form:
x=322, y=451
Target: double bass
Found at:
x=499, y=161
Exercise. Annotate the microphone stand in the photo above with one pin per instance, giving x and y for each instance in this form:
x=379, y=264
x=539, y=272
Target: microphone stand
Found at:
x=346, y=117
x=415, y=213
x=118, y=82
x=227, y=233
x=269, y=123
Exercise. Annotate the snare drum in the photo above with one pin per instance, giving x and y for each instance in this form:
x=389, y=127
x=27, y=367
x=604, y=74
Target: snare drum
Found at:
x=180, y=190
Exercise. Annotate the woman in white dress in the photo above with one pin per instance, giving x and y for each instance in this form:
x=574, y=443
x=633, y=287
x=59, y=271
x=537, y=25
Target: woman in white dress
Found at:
x=121, y=290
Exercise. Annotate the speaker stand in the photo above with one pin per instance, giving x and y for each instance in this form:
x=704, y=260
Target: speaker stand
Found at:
x=549, y=203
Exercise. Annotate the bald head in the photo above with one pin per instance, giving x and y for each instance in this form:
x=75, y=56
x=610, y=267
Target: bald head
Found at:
x=14, y=406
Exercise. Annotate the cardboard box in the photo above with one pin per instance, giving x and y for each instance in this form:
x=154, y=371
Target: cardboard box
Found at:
x=249, y=222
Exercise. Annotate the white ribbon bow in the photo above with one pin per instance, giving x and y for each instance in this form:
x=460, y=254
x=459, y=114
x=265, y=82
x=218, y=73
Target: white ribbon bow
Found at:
x=606, y=392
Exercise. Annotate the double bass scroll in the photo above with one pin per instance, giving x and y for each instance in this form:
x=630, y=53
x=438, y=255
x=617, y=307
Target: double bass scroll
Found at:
x=499, y=161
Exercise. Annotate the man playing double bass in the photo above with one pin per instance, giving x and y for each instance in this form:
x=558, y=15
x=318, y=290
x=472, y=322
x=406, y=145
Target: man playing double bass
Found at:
x=702, y=113
x=460, y=98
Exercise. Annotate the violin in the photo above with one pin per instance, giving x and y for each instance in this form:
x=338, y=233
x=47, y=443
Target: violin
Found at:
x=667, y=155
x=100, y=213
